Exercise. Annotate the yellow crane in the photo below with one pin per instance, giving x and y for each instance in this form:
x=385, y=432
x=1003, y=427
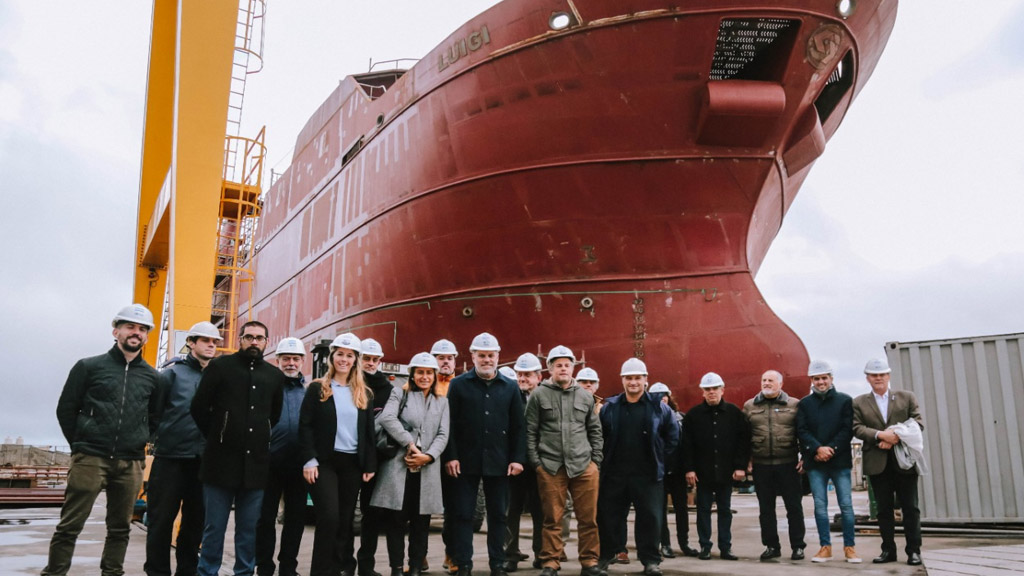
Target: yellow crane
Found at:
x=200, y=182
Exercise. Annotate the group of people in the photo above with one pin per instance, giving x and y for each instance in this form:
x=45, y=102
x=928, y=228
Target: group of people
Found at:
x=236, y=431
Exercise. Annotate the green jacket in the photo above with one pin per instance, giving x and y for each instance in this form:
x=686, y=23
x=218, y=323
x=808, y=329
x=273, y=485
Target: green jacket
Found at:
x=562, y=429
x=773, y=429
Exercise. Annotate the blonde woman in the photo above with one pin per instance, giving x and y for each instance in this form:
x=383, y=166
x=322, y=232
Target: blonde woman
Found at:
x=409, y=484
x=337, y=443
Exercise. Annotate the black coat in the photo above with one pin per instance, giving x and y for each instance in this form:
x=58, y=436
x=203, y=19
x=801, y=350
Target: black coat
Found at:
x=318, y=426
x=717, y=441
x=177, y=435
x=237, y=403
x=826, y=420
x=488, y=425
x=662, y=432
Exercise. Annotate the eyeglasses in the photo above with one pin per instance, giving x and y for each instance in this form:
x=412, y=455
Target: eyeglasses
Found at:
x=251, y=338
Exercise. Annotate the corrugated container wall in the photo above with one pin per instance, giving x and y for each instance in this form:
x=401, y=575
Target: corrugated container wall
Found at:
x=971, y=392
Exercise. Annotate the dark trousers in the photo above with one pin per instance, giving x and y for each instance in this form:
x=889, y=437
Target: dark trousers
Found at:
x=408, y=517
x=335, y=494
x=615, y=496
x=523, y=495
x=496, y=496
x=376, y=521
x=173, y=483
x=448, y=501
x=720, y=493
x=887, y=484
x=771, y=481
x=675, y=486
x=287, y=483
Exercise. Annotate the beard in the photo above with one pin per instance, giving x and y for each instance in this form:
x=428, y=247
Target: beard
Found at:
x=132, y=345
x=254, y=352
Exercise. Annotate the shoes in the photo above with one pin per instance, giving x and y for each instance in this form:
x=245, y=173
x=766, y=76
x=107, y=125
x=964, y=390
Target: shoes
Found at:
x=652, y=570
x=424, y=567
x=823, y=555
x=687, y=551
x=465, y=571
x=548, y=571
x=666, y=552
x=885, y=557
x=449, y=565
x=602, y=564
x=538, y=564
x=914, y=559
x=705, y=553
x=594, y=570
x=397, y=572
x=771, y=552
x=727, y=555
x=510, y=565
x=621, y=558
x=851, y=555
x=498, y=572
x=798, y=554
x=516, y=555
x=414, y=570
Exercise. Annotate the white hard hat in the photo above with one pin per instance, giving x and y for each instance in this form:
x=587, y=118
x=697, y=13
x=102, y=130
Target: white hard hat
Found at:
x=659, y=387
x=443, y=346
x=347, y=341
x=819, y=368
x=136, y=314
x=877, y=366
x=588, y=374
x=371, y=347
x=423, y=360
x=527, y=363
x=632, y=367
x=711, y=380
x=204, y=330
x=485, y=342
x=561, y=352
x=508, y=372
x=291, y=346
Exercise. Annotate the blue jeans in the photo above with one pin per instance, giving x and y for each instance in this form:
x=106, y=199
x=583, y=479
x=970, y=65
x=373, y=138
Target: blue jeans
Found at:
x=218, y=502
x=819, y=478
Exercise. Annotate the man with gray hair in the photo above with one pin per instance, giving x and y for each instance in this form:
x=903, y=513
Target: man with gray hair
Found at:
x=775, y=464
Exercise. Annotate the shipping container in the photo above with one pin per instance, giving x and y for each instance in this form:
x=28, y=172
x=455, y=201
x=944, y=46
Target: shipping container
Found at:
x=971, y=393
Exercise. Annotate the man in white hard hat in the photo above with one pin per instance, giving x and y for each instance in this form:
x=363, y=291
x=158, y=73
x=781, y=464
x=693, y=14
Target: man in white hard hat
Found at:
x=775, y=463
x=874, y=416
x=102, y=413
x=177, y=452
x=523, y=488
x=639, y=434
x=444, y=352
x=285, y=482
x=563, y=446
x=715, y=454
x=236, y=405
x=488, y=445
x=588, y=380
x=370, y=356
x=824, y=423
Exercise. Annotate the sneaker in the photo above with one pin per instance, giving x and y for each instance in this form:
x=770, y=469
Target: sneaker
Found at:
x=771, y=552
x=621, y=558
x=705, y=553
x=798, y=554
x=823, y=555
x=851, y=555
x=652, y=570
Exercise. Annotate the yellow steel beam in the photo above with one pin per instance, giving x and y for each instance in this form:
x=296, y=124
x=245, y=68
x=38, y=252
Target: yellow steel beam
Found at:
x=186, y=113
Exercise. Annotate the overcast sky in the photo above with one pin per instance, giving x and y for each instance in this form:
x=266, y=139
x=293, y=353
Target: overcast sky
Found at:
x=910, y=226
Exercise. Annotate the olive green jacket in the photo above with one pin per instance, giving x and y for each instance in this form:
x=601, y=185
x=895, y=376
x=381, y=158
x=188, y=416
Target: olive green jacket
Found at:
x=562, y=429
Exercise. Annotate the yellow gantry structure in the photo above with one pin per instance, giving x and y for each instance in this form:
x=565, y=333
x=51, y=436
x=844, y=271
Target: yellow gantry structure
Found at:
x=198, y=189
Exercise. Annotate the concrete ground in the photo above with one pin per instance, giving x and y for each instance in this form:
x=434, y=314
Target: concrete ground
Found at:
x=25, y=535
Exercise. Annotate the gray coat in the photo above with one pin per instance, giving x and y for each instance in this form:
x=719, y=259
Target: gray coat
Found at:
x=425, y=422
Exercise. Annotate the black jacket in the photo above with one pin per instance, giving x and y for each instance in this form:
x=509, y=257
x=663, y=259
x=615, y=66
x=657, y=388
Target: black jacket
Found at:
x=238, y=402
x=177, y=435
x=717, y=441
x=488, y=424
x=662, y=432
x=318, y=425
x=826, y=420
x=107, y=405
x=284, y=436
x=381, y=387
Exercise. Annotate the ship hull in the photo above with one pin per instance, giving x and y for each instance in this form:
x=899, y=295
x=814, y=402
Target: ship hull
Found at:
x=558, y=187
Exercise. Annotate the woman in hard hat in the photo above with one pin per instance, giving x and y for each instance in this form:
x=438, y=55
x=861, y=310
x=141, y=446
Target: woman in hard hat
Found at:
x=409, y=483
x=338, y=445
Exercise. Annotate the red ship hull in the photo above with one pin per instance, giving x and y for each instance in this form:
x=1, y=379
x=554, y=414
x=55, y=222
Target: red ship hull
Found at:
x=612, y=186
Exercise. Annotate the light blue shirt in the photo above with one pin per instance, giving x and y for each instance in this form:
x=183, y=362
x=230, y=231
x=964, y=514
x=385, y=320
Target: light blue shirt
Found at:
x=346, y=439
